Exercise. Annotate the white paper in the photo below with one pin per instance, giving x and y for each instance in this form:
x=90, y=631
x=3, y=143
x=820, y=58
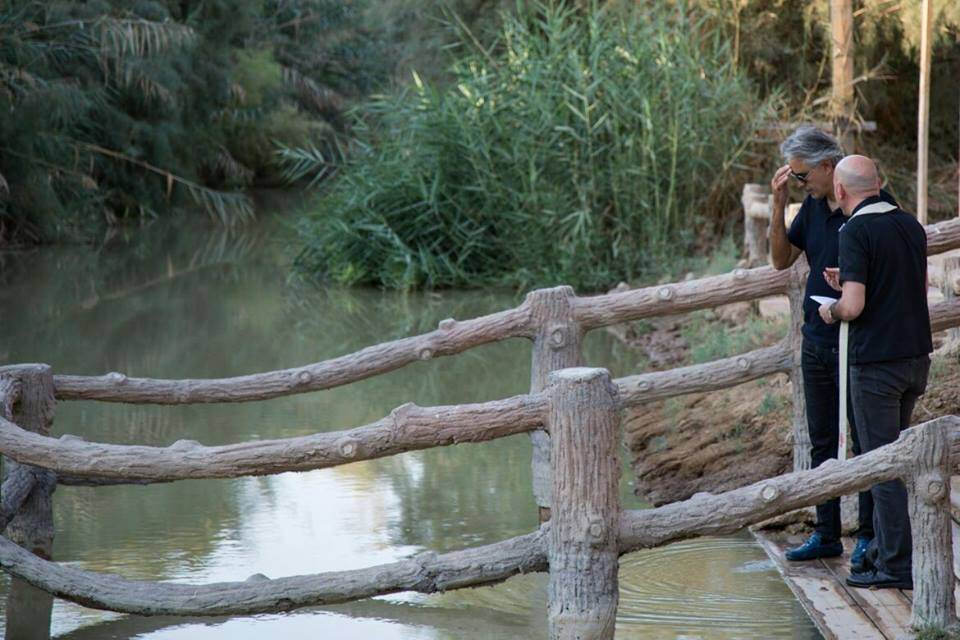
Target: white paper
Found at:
x=823, y=299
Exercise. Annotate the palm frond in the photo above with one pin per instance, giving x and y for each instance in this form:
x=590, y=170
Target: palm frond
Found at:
x=121, y=37
x=123, y=42
x=16, y=82
x=299, y=162
x=237, y=115
x=225, y=207
x=131, y=76
x=321, y=99
x=226, y=166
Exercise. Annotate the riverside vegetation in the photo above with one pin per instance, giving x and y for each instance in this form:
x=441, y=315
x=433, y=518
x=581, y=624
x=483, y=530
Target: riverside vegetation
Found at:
x=489, y=142
x=122, y=111
x=575, y=148
x=599, y=142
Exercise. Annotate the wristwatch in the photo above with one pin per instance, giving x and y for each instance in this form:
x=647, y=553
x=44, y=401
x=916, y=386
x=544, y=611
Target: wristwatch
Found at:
x=830, y=311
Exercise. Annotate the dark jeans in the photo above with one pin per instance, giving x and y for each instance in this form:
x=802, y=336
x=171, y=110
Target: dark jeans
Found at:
x=884, y=394
x=821, y=391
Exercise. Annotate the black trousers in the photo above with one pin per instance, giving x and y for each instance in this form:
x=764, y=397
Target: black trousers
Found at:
x=821, y=391
x=884, y=395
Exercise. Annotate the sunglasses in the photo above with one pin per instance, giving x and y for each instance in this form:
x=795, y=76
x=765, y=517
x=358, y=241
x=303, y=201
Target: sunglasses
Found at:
x=801, y=177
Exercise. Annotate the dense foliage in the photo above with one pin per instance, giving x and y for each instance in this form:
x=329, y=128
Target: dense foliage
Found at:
x=582, y=147
x=583, y=142
x=118, y=110
x=784, y=47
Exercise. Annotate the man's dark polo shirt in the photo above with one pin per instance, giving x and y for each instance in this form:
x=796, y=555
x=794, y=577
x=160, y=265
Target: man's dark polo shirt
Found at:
x=815, y=232
x=887, y=252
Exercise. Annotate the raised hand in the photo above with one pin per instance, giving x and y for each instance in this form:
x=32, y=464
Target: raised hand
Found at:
x=779, y=188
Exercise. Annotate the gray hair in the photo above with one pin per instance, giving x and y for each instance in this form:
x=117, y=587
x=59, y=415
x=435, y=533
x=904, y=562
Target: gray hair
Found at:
x=811, y=146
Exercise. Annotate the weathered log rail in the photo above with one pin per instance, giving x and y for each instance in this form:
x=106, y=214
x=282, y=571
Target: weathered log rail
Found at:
x=923, y=455
x=407, y=428
x=450, y=338
x=578, y=408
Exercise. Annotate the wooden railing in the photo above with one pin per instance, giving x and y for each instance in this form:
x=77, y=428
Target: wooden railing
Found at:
x=575, y=466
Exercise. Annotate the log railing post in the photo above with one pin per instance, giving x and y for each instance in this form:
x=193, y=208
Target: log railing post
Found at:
x=9, y=394
x=756, y=223
x=556, y=345
x=801, y=436
x=28, y=608
x=951, y=269
x=928, y=489
x=583, y=545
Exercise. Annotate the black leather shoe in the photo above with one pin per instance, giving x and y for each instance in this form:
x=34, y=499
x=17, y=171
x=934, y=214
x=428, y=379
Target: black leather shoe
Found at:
x=877, y=579
x=814, y=548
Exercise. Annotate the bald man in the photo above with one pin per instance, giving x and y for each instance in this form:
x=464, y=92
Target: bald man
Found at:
x=883, y=279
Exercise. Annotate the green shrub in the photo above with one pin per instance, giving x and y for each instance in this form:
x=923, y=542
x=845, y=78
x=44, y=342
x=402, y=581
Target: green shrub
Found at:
x=257, y=75
x=117, y=110
x=768, y=405
x=711, y=339
x=585, y=147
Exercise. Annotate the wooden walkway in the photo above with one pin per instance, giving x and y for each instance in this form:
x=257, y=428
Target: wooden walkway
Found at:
x=840, y=612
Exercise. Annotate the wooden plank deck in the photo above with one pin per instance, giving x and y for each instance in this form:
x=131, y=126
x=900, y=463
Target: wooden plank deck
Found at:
x=840, y=612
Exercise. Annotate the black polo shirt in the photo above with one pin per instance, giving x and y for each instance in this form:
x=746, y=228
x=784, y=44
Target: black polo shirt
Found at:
x=887, y=252
x=815, y=231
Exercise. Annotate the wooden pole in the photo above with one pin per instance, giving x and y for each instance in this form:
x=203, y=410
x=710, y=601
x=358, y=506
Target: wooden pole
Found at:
x=929, y=500
x=923, y=117
x=841, y=27
x=28, y=608
x=583, y=546
x=556, y=345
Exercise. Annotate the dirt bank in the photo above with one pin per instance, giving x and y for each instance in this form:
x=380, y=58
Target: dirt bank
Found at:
x=722, y=440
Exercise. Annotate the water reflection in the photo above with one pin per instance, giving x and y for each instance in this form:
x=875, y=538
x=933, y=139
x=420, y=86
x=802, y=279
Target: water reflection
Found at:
x=173, y=308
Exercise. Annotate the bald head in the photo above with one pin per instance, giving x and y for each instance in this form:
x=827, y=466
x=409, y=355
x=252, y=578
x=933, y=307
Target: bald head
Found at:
x=855, y=178
x=858, y=175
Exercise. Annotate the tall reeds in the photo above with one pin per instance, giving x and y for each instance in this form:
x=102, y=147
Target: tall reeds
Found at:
x=584, y=147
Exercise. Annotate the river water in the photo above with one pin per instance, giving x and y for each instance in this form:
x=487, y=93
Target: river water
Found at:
x=182, y=301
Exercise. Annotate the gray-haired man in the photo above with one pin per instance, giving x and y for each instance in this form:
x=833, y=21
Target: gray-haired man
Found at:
x=811, y=155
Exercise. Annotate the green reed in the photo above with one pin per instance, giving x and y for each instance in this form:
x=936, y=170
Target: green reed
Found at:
x=586, y=146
